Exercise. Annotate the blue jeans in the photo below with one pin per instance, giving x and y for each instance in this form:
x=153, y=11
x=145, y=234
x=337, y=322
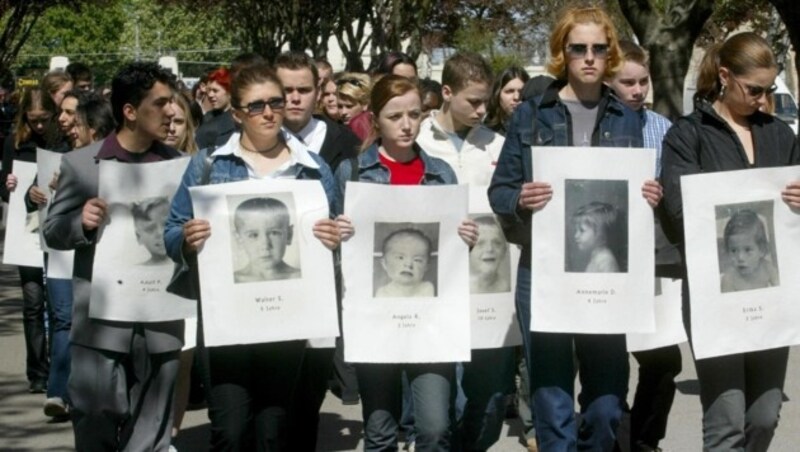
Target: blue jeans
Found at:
x=59, y=296
x=603, y=364
x=432, y=388
x=486, y=381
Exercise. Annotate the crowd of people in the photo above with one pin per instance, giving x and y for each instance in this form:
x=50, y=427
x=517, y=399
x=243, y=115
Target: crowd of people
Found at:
x=126, y=385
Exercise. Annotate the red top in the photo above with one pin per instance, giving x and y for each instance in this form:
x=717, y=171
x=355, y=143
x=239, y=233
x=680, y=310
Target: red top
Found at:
x=360, y=124
x=404, y=173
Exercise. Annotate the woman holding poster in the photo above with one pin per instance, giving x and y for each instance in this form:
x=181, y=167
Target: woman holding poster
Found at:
x=729, y=130
x=35, y=128
x=393, y=158
x=577, y=109
x=251, y=385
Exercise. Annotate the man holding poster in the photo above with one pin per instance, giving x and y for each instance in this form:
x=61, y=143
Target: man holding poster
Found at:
x=122, y=373
x=584, y=52
x=741, y=393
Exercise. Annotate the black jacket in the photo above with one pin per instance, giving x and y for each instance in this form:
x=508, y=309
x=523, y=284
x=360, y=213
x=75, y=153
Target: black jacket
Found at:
x=340, y=143
x=702, y=142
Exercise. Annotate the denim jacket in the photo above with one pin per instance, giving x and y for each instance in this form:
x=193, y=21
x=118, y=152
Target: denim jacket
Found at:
x=227, y=167
x=545, y=121
x=370, y=169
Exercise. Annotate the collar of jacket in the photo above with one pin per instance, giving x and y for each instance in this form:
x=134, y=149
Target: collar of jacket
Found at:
x=608, y=100
x=705, y=109
x=369, y=158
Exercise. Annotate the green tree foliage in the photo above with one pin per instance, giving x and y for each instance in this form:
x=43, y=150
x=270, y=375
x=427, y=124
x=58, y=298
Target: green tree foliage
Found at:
x=110, y=34
x=18, y=18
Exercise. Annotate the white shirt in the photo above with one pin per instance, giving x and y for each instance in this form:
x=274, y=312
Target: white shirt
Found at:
x=298, y=157
x=313, y=134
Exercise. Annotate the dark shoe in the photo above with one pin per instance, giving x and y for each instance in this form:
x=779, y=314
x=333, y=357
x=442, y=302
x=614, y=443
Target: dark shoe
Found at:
x=37, y=387
x=55, y=407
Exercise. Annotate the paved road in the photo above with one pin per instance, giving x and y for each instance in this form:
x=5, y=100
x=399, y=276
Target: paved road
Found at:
x=23, y=426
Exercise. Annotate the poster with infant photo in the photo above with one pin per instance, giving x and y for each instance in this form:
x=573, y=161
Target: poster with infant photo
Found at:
x=492, y=279
x=593, y=244
x=262, y=269
x=131, y=267
x=738, y=235
x=406, y=274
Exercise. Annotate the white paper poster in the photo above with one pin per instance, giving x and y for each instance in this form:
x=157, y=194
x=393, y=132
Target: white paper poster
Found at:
x=593, y=250
x=264, y=277
x=742, y=260
x=48, y=163
x=669, y=319
x=131, y=267
x=492, y=279
x=406, y=274
x=22, y=246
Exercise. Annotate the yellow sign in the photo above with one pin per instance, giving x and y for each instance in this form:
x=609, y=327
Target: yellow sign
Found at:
x=27, y=82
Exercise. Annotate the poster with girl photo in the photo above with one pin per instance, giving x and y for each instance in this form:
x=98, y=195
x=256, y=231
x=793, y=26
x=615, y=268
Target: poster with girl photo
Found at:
x=597, y=227
x=746, y=247
x=592, y=245
x=737, y=233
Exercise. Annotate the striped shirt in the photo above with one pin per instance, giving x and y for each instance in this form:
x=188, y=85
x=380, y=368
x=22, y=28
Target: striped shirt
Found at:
x=655, y=127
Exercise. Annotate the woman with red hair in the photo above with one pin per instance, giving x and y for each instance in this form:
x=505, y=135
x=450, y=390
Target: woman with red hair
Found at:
x=218, y=124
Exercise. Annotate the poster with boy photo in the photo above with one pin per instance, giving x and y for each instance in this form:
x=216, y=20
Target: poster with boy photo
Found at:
x=22, y=244
x=406, y=274
x=262, y=269
x=262, y=229
x=492, y=279
x=592, y=245
x=131, y=244
x=736, y=230
x=405, y=264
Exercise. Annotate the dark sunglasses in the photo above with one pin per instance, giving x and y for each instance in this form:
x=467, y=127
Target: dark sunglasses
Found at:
x=350, y=81
x=756, y=91
x=258, y=106
x=579, y=50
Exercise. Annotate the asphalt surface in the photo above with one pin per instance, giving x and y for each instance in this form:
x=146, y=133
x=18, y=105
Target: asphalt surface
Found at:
x=23, y=426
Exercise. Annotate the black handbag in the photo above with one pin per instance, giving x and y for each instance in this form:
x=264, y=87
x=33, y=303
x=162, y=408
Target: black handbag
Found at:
x=185, y=281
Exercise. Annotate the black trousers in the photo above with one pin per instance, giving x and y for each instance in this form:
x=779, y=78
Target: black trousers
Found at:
x=309, y=393
x=655, y=393
x=33, y=308
x=251, y=391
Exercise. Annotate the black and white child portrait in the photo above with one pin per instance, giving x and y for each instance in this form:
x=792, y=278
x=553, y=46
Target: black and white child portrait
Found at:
x=406, y=261
x=746, y=252
x=149, y=216
x=264, y=232
x=596, y=236
x=489, y=259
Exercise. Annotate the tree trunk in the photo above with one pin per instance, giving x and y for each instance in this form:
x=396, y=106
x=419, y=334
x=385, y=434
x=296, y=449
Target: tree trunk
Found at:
x=669, y=36
x=790, y=13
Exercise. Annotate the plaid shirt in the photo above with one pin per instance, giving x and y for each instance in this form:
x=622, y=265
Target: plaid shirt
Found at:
x=655, y=127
